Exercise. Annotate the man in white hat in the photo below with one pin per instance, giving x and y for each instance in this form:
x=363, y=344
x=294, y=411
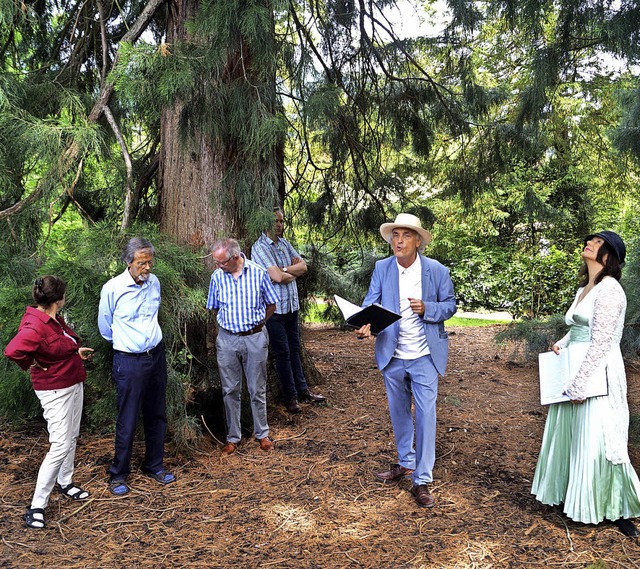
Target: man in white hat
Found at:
x=413, y=351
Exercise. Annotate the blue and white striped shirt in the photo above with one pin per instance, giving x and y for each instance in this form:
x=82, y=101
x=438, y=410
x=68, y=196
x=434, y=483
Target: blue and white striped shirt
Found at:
x=267, y=253
x=241, y=303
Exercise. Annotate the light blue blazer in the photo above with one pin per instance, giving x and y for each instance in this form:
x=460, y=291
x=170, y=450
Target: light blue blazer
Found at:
x=439, y=305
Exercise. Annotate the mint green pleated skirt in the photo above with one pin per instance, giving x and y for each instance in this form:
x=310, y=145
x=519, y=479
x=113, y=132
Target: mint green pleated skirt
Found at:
x=573, y=469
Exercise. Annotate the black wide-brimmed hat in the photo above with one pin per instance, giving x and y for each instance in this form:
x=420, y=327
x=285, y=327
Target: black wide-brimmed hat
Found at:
x=614, y=241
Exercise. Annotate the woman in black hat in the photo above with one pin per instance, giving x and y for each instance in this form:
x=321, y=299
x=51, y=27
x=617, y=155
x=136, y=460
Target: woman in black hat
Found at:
x=583, y=461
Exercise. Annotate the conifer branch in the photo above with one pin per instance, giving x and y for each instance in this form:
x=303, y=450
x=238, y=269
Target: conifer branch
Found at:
x=105, y=46
x=70, y=154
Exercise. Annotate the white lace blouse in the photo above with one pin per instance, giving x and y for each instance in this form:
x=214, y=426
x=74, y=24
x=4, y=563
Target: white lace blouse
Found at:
x=603, y=310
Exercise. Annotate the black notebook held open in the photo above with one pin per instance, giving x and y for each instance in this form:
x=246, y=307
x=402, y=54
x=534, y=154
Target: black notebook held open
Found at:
x=375, y=314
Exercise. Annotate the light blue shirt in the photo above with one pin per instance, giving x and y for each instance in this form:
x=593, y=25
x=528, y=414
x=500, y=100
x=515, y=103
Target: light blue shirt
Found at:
x=128, y=313
x=267, y=253
x=241, y=303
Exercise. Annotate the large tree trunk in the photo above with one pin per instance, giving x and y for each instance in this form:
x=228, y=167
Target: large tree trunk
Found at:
x=190, y=169
x=191, y=173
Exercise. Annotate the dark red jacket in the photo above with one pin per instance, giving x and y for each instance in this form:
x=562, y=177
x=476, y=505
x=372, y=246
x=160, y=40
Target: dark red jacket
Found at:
x=42, y=338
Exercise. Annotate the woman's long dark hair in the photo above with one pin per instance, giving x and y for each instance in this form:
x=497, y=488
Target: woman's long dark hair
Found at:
x=611, y=268
x=48, y=289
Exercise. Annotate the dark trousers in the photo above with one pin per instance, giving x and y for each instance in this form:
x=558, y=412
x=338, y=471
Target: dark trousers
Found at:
x=284, y=338
x=141, y=385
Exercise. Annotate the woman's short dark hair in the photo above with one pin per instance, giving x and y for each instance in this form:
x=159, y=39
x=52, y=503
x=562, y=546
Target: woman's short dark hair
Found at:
x=48, y=289
x=611, y=267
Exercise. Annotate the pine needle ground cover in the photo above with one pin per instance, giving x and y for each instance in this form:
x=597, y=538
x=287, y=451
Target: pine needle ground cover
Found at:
x=313, y=502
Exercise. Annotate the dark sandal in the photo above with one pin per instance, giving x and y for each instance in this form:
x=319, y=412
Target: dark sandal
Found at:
x=32, y=521
x=162, y=476
x=118, y=487
x=74, y=492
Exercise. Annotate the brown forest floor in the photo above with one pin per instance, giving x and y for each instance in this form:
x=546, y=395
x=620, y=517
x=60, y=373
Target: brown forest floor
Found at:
x=313, y=503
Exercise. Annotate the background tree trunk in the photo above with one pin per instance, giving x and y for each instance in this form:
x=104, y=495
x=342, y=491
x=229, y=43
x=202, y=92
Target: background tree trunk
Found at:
x=191, y=207
x=189, y=176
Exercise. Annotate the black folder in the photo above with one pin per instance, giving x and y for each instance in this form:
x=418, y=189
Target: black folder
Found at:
x=375, y=314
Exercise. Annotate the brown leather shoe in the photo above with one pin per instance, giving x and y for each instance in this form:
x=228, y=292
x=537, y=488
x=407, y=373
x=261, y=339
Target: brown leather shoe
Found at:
x=266, y=444
x=423, y=497
x=293, y=406
x=395, y=472
x=229, y=448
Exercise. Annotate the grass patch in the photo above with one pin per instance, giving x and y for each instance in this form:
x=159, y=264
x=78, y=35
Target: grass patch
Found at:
x=452, y=400
x=466, y=321
x=315, y=316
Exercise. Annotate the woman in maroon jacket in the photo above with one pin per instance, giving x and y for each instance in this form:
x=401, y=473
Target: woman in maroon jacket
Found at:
x=51, y=350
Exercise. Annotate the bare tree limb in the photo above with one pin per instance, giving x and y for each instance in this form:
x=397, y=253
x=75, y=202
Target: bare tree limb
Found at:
x=128, y=197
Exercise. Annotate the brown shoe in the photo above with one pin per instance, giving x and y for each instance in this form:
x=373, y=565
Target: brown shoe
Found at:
x=266, y=444
x=394, y=473
x=293, y=406
x=423, y=497
x=229, y=448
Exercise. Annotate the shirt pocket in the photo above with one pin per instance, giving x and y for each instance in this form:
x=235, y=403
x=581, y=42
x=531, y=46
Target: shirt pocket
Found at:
x=55, y=345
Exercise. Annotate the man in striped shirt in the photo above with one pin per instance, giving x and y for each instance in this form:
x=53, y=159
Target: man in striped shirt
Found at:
x=242, y=299
x=284, y=265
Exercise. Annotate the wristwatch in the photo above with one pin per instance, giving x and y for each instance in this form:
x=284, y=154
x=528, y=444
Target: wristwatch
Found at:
x=284, y=269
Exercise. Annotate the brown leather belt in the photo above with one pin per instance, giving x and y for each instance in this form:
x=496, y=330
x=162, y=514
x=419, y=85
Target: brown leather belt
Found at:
x=253, y=330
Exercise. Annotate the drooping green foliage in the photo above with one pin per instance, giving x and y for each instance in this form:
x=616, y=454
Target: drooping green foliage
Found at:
x=532, y=337
x=507, y=127
x=86, y=258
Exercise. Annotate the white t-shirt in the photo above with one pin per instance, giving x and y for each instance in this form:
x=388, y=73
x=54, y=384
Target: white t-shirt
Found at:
x=412, y=340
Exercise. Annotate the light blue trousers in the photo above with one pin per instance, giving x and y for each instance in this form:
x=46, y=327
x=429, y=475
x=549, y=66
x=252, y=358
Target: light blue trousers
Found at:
x=419, y=377
x=235, y=354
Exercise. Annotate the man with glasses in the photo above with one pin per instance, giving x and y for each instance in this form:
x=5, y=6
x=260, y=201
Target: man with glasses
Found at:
x=284, y=265
x=128, y=319
x=242, y=299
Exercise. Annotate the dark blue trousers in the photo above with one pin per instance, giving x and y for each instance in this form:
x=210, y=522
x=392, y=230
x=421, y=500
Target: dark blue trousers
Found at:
x=141, y=385
x=284, y=337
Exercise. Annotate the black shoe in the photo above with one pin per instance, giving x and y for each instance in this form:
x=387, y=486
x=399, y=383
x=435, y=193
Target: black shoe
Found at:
x=627, y=528
x=308, y=397
x=293, y=406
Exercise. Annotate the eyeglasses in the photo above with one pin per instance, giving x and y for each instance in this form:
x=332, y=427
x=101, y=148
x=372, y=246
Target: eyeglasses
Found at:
x=224, y=263
x=142, y=264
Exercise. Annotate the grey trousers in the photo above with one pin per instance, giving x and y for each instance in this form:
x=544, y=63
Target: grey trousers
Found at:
x=235, y=354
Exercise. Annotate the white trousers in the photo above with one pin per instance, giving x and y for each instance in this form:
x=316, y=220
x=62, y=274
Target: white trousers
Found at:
x=62, y=409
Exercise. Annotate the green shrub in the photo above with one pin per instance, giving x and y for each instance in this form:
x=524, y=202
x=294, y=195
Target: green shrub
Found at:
x=86, y=258
x=532, y=337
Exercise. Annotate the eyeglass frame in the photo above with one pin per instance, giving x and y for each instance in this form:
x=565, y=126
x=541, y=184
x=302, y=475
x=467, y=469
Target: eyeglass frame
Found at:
x=224, y=263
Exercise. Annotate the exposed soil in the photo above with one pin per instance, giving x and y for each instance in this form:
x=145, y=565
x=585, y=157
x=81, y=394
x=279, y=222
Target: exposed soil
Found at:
x=313, y=502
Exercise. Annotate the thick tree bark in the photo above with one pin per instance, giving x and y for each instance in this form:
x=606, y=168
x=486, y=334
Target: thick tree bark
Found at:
x=190, y=171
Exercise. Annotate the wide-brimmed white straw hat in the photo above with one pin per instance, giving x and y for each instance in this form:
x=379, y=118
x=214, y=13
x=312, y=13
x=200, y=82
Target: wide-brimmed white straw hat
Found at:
x=407, y=221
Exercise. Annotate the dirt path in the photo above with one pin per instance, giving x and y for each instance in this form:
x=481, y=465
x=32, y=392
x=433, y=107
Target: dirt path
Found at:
x=313, y=503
